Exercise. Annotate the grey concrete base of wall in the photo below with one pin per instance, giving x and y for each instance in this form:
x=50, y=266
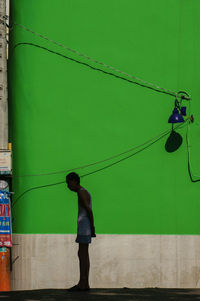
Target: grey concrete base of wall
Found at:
x=135, y=261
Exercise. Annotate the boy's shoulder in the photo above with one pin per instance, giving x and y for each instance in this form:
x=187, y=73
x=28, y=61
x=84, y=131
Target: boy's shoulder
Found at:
x=83, y=192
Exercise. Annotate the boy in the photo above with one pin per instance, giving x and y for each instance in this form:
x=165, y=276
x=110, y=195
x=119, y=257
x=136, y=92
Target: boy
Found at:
x=85, y=229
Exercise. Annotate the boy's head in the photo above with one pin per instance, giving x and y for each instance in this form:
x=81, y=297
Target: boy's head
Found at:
x=73, y=181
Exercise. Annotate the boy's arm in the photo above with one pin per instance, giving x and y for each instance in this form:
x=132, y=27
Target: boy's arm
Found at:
x=85, y=202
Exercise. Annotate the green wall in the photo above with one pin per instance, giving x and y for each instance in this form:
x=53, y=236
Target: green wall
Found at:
x=64, y=114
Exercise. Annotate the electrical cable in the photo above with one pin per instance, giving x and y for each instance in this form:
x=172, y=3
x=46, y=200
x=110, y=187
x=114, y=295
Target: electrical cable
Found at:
x=98, y=69
x=97, y=162
x=146, y=84
x=189, y=161
x=33, y=188
x=137, y=152
x=157, y=88
x=98, y=170
x=163, y=135
x=107, y=66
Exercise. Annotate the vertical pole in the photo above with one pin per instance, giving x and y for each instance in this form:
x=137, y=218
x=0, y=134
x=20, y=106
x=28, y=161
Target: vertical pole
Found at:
x=3, y=81
x=4, y=251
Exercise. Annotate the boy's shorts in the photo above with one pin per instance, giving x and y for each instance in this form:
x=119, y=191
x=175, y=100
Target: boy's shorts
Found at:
x=83, y=239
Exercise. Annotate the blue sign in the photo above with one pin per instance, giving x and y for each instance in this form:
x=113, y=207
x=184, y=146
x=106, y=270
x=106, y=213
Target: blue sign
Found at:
x=5, y=219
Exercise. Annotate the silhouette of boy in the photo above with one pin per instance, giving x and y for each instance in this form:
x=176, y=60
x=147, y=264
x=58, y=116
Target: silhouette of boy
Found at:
x=85, y=229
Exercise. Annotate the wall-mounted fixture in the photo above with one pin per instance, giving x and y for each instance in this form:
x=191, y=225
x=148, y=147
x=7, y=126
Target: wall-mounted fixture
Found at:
x=179, y=111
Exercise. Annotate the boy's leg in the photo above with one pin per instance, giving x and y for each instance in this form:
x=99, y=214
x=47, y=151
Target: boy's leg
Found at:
x=84, y=264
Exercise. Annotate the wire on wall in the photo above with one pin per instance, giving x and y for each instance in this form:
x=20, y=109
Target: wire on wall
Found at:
x=189, y=159
x=97, y=162
x=148, y=84
x=145, y=83
x=103, y=168
x=146, y=144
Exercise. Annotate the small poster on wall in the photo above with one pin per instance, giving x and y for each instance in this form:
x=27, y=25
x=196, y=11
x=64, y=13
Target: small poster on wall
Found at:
x=5, y=162
x=5, y=219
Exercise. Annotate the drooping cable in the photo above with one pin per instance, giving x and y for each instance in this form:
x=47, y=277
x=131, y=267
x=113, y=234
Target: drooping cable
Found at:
x=189, y=160
x=145, y=83
x=103, y=168
x=33, y=188
x=93, y=60
x=127, y=157
x=97, y=162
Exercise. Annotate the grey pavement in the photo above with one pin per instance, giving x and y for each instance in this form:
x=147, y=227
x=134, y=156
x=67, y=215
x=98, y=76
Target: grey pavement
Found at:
x=124, y=294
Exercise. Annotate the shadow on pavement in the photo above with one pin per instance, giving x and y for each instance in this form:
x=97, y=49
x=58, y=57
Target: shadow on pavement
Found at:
x=124, y=294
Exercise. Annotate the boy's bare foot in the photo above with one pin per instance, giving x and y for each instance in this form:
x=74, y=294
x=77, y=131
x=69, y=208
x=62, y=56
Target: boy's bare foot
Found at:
x=77, y=288
x=84, y=288
x=83, y=284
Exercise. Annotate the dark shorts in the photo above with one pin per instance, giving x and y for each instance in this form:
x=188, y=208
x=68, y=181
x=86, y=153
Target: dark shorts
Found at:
x=83, y=239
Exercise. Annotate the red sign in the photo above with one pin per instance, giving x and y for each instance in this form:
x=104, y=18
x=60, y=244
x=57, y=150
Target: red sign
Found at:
x=5, y=219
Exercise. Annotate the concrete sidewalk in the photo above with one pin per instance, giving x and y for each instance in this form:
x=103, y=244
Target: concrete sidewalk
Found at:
x=124, y=294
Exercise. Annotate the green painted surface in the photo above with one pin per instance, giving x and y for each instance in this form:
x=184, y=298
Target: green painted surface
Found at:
x=64, y=114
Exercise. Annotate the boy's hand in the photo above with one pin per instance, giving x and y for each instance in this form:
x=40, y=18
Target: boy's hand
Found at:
x=93, y=232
